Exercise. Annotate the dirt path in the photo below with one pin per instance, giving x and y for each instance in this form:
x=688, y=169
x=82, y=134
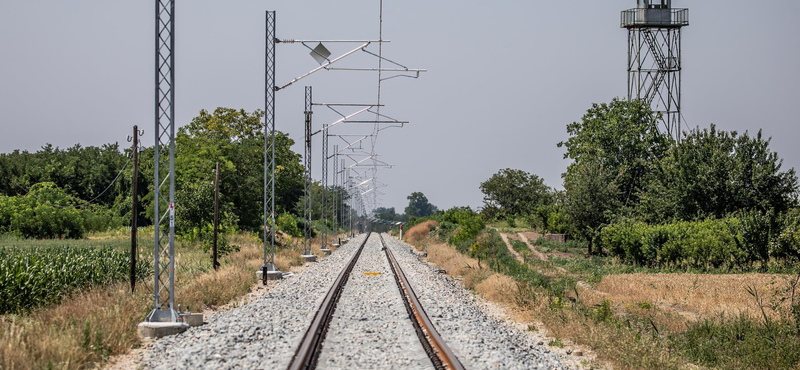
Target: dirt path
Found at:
x=536, y=253
x=511, y=248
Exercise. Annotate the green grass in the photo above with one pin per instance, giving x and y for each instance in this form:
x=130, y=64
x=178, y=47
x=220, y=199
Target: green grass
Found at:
x=740, y=343
x=571, y=246
x=520, y=247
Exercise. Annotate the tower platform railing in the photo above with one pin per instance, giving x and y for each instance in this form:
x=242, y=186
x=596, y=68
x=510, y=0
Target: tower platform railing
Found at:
x=645, y=17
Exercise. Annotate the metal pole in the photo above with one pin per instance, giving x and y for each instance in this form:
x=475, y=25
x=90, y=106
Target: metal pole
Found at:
x=341, y=199
x=308, y=255
x=324, y=215
x=135, y=206
x=214, y=261
x=352, y=202
x=335, y=191
x=164, y=237
x=268, y=270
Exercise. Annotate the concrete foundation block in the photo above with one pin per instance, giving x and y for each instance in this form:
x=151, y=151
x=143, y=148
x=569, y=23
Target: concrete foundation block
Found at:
x=271, y=275
x=161, y=329
x=193, y=319
x=326, y=250
x=309, y=257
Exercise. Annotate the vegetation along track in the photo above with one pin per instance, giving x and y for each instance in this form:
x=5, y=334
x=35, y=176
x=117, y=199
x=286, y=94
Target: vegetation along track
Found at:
x=310, y=350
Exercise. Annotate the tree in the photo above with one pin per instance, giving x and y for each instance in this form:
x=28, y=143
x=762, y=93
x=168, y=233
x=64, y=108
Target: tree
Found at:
x=714, y=173
x=515, y=192
x=622, y=139
x=235, y=138
x=418, y=206
x=388, y=214
x=592, y=200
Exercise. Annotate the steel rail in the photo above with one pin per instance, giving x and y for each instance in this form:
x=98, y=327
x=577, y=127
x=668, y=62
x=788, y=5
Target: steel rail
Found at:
x=440, y=354
x=308, y=353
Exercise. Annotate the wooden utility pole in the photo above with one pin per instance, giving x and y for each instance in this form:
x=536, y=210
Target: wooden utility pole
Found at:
x=216, y=216
x=135, y=207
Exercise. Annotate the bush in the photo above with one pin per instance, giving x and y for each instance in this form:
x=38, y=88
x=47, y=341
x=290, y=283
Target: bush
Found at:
x=549, y=219
x=287, y=222
x=786, y=242
x=223, y=246
x=469, y=224
x=707, y=243
x=47, y=211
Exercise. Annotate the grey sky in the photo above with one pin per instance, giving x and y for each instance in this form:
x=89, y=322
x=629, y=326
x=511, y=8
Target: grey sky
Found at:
x=504, y=79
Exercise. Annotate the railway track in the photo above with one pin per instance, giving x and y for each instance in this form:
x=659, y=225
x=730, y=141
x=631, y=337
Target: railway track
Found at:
x=313, y=344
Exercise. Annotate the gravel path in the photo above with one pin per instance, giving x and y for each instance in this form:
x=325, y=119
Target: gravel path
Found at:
x=478, y=340
x=370, y=328
x=261, y=335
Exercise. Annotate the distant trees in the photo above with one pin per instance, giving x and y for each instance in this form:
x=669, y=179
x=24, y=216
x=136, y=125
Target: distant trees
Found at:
x=418, y=206
x=232, y=137
x=389, y=214
x=510, y=193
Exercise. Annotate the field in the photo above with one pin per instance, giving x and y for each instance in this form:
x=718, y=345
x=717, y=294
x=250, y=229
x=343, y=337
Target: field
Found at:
x=628, y=317
x=89, y=322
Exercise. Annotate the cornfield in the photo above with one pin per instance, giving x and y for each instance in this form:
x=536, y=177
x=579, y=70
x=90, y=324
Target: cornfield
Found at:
x=33, y=276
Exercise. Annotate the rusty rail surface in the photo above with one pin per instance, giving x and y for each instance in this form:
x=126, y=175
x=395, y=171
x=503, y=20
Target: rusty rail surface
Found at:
x=440, y=354
x=307, y=354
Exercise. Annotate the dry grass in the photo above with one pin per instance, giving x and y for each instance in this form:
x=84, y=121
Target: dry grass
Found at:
x=692, y=295
x=88, y=327
x=532, y=306
x=419, y=232
x=647, y=310
x=498, y=288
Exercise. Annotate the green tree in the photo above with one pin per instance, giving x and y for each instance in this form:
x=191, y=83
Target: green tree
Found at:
x=592, y=200
x=83, y=172
x=515, y=192
x=234, y=138
x=714, y=173
x=418, y=205
x=614, y=149
x=622, y=139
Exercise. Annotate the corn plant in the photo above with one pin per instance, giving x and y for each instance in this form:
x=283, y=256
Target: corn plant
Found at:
x=34, y=276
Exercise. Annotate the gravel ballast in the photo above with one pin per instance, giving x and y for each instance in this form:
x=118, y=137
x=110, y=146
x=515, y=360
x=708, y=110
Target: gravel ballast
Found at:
x=260, y=335
x=370, y=328
x=479, y=340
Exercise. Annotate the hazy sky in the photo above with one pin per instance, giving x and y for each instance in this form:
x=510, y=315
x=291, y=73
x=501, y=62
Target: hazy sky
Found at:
x=504, y=79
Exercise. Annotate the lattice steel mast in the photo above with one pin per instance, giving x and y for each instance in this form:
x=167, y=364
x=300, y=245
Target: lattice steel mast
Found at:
x=335, y=200
x=324, y=214
x=654, y=58
x=268, y=269
x=164, y=166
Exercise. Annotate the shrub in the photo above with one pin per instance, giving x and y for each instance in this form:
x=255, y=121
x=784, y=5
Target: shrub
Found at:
x=706, y=243
x=287, y=222
x=223, y=246
x=469, y=224
x=47, y=211
x=786, y=242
